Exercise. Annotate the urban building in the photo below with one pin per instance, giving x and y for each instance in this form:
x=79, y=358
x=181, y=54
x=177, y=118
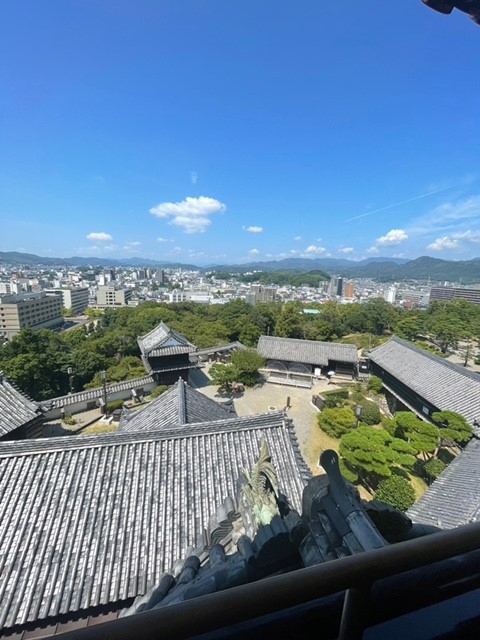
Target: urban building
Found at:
x=111, y=296
x=75, y=298
x=177, y=295
x=455, y=293
x=31, y=310
x=389, y=295
x=335, y=286
x=349, y=290
x=260, y=293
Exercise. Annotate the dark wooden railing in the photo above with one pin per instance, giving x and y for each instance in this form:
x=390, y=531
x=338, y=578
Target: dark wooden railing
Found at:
x=355, y=575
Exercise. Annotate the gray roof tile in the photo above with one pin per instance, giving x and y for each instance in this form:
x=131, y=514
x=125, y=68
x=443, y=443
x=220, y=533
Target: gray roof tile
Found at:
x=16, y=409
x=445, y=385
x=306, y=351
x=93, y=394
x=179, y=405
x=164, y=341
x=454, y=498
x=91, y=520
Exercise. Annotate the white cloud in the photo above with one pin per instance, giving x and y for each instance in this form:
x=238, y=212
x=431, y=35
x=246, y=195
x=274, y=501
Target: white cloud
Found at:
x=454, y=240
x=254, y=229
x=254, y=252
x=192, y=213
x=372, y=251
x=314, y=250
x=99, y=236
x=346, y=250
x=160, y=239
x=297, y=238
x=193, y=177
x=132, y=245
x=448, y=216
x=393, y=237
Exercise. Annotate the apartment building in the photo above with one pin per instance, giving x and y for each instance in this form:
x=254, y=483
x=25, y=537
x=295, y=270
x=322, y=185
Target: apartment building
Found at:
x=455, y=293
x=110, y=296
x=34, y=310
x=75, y=298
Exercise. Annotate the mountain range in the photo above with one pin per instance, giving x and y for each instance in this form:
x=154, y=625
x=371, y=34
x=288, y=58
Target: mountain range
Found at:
x=384, y=269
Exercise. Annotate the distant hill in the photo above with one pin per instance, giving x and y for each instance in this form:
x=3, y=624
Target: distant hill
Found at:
x=383, y=269
x=423, y=268
x=30, y=259
x=331, y=265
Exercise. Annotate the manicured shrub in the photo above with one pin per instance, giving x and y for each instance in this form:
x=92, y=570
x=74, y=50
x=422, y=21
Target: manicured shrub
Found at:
x=158, y=391
x=370, y=413
x=397, y=492
x=375, y=384
x=433, y=469
x=336, y=422
x=335, y=398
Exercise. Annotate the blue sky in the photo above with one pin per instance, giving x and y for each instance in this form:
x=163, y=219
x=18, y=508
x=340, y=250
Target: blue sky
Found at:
x=213, y=131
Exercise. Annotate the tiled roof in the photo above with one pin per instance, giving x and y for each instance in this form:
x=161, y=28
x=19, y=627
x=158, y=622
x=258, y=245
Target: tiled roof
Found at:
x=454, y=498
x=164, y=341
x=16, y=409
x=306, y=351
x=93, y=394
x=155, y=367
x=222, y=348
x=91, y=520
x=445, y=385
x=179, y=405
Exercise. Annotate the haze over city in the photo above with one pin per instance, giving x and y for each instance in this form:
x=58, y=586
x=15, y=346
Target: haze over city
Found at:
x=212, y=132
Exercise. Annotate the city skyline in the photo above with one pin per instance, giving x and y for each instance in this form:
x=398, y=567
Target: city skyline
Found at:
x=206, y=132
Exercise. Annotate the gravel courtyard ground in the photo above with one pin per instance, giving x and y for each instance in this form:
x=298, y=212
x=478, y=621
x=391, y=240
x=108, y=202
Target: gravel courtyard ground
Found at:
x=257, y=401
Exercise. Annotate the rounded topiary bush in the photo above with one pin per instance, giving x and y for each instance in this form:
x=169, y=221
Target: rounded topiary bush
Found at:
x=370, y=413
x=396, y=492
x=375, y=384
x=433, y=469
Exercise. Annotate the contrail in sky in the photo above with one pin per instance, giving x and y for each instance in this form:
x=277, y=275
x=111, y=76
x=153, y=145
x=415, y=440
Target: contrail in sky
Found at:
x=398, y=204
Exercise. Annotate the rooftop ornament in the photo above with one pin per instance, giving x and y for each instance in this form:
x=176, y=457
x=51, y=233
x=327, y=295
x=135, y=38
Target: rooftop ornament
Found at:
x=470, y=7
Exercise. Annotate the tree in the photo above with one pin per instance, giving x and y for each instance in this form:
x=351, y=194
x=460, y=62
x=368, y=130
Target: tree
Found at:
x=421, y=435
x=381, y=316
x=248, y=362
x=372, y=454
x=396, y=492
x=453, y=426
x=336, y=422
x=223, y=376
x=289, y=323
x=410, y=327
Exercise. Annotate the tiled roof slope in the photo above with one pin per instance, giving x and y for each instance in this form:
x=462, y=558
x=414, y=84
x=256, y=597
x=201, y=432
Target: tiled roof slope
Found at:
x=446, y=385
x=454, y=498
x=16, y=409
x=164, y=341
x=306, y=351
x=93, y=394
x=179, y=405
x=91, y=520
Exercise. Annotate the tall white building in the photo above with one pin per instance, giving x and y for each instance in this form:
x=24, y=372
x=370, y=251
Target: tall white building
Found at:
x=75, y=298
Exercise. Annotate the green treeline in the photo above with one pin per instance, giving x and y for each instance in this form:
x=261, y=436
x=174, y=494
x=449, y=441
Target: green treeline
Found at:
x=279, y=278
x=38, y=360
